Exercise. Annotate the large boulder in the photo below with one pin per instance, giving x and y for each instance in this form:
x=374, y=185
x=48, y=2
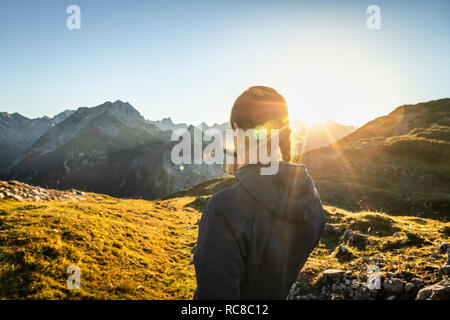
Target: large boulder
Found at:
x=437, y=291
x=333, y=274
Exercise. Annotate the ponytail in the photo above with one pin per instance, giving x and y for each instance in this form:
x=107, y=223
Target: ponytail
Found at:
x=285, y=145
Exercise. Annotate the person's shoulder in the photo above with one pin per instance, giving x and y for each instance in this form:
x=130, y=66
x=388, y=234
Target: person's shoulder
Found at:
x=225, y=196
x=231, y=201
x=233, y=204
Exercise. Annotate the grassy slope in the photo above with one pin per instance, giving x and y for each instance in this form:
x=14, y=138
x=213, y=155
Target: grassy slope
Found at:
x=402, y=120
x=399, y=164
x=126, y=249
x=137, y=249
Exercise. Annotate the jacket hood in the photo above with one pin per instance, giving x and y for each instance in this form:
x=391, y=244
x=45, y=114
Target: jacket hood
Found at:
x=288, y=194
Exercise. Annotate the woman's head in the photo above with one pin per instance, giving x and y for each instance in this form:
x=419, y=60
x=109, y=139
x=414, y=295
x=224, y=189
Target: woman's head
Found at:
x=263, y=106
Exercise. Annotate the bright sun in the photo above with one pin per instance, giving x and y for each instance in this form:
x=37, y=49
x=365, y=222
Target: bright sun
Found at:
x=313, y=119
x=323, y=82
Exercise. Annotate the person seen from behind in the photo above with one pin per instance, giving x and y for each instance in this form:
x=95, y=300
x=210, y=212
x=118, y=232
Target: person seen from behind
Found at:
x=255, y=236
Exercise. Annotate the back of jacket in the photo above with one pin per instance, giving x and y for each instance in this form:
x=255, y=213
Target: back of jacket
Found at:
x=255, y=237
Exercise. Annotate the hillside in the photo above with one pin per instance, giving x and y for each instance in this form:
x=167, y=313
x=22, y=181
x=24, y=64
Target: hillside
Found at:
x=126, y=249
x=399, y=163
x=137, y=249
x=402, y=120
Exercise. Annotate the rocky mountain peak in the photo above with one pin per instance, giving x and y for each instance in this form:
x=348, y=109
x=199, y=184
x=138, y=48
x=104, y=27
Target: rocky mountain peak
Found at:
x=121, y=103
x=124, y=111
x=5, y=115
x=167, y=120
x=168, y=124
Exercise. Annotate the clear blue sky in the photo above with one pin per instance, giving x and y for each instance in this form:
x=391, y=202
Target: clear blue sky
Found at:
x=191, y=59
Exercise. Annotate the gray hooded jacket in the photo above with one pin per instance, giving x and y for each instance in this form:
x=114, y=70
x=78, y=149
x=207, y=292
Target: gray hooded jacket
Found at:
x=255, y=237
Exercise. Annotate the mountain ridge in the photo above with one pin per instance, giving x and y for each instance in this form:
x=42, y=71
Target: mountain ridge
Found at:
x=395, y=163
x=109, y=148
x=17, y=133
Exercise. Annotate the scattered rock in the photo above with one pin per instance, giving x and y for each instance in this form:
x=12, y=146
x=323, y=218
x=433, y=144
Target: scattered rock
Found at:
x=331, y=229
x=417, y=282
x=333, y=274
x=393, y=286
x=435, y=256
x=23, y=192
x=348, y=273
x=393, y=275
x=431, y=269
x=169, y=207
x=414, y=239
x=17, y=197
x=343, y=254
x=437, y=291
x=445, y=270
x=409, y=239
x=355, y=238
x=15, y=183
x=409, y=287
x=78, y=192
x=377, y=259
x=444, y=247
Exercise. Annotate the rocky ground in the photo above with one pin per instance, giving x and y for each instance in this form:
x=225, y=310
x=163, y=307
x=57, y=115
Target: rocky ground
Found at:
x=344, y=284
x=363, y=278
x=23, y=192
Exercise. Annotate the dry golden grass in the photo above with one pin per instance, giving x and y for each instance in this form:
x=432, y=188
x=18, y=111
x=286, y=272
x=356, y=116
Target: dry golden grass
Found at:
x=137, y=249
x=126, y=249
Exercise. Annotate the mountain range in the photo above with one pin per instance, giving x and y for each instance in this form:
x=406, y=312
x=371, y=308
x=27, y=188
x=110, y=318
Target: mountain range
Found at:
x=111, y=148
x=17, y=133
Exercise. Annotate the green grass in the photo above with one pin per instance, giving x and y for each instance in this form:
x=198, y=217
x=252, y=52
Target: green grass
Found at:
x=431, y=144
